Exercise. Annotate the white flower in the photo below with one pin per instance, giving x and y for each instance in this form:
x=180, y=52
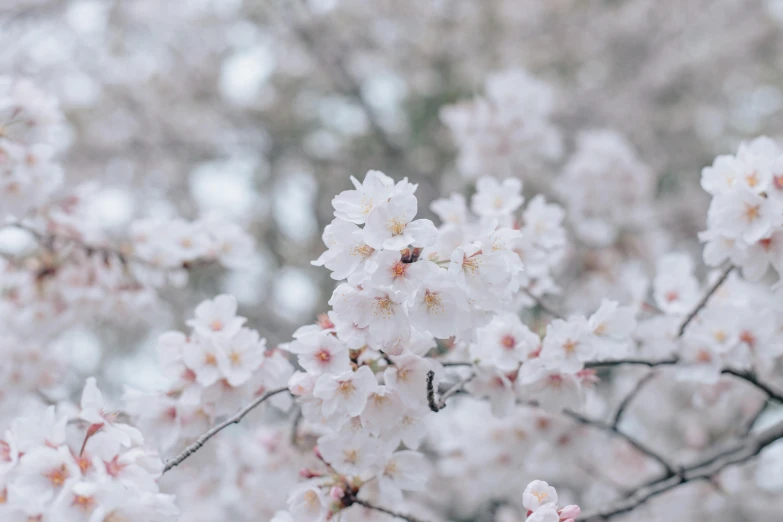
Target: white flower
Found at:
x=217, y=317
x=567, y=344
x=382, y=313
x=321, y=353
x=403, y=471
x=744, y=214
x=612, y=325
x=347, y=253
x=350, y=453
x=538, y=493
x=390, y=225
x=452, y=211
x=675, y=289
x=439, y=305
x=505, y=343
x=408, y=377
x=356, y=205
x=396, y=275
x=43, y=472
x=552, y=389
x=383, y=412
x=201, y=357
x=346, y=393
x=496, y=199
x=240, y=356
x=307, y=503
x=95, y=411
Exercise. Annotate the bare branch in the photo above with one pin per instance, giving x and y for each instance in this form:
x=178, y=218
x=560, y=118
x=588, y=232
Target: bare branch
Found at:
x=751, y=378
x=234, y=419
x=618, y=416
x=670, y=470
x=636, y=362
x=704, y=469
x=704, y=300
x=544, y=307
x=437, y=405
x=366, y=504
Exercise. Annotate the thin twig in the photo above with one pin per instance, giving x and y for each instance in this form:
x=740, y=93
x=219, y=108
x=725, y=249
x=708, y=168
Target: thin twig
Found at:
x=701, y=470
x=437, y=405
x=366, y=504
x=544, y=307
x=704, y=300
x=623, y=406
x=670, y=470
x=636, y=362
x=295, y=428
x=234, y=419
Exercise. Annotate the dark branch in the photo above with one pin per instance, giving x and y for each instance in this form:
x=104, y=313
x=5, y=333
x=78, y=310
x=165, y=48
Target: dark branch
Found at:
x=234, y=419
x=704, y=300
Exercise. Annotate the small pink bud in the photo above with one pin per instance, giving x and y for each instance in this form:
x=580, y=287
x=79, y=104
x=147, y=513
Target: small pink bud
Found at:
x=569, y=513
x=307, y=473
x=337, y=492
x=317, y=453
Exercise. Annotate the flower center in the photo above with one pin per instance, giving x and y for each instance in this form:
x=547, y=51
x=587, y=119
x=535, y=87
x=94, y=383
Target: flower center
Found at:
x=396, y=226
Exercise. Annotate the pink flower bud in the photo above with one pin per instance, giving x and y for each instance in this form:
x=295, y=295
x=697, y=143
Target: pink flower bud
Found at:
x=307, y=473
x=337, y=492
x=569, y=513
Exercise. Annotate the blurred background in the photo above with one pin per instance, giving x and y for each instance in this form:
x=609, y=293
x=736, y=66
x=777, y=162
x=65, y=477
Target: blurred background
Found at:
x=262, y=109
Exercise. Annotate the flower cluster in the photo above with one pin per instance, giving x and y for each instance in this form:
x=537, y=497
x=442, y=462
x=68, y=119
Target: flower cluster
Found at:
x=745, y=219
x=213, y=371
x=606, y=188
x=508, y=130
x=171, y=244
x=80, y=465
x=515, y=363
x=30, y=121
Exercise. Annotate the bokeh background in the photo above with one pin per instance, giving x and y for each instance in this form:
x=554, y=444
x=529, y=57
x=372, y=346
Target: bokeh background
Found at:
x=262, y=109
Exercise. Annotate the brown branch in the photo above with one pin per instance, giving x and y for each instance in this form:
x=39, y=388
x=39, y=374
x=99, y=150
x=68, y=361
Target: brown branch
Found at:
x=437, y=405
x=234, y=419
x=704, y=300
x=395, y=514
x=704, y=469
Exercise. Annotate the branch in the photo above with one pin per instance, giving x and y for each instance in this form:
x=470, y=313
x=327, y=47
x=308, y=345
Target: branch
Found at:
x=751, y=378
x=437, y=405
x=46, y=240
x=670, y=471
x=704, y=300
x=702, y=470
x=637, y=362
x=366, y=504
x=630, y=397
x=235, y=419
x=544, y=307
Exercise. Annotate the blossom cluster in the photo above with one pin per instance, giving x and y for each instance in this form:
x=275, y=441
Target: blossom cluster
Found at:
x=745, y=219
x=78, y=269
x=80, y=464
x=507, y=131
x=30, y=125
x=214, y=370
x=740, y=328
x=606, y=188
